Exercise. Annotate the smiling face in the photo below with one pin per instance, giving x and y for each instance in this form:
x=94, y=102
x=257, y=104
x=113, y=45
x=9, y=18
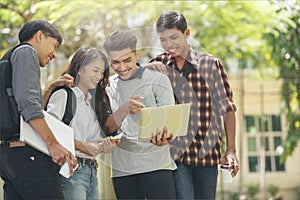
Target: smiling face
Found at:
x=91, y=74
x=46, y=49
x=175, y=42
x=124, y=62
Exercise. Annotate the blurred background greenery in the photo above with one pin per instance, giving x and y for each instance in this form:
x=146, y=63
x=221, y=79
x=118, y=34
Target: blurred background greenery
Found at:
x=265, y=33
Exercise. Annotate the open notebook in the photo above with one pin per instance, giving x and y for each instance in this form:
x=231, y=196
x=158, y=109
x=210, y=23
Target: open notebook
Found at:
x=62, y=132
x=174, y=117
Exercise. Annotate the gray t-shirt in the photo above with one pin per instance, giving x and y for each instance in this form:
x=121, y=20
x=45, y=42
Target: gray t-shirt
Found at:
x=26, y=82
x=133, y=156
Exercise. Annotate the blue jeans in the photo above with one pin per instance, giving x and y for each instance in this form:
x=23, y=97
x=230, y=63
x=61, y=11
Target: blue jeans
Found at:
x=195, y=182
x=28, y=174
x=82, y=185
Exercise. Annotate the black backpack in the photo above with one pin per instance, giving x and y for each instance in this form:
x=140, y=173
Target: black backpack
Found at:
x=71, y=104
x=9, y=114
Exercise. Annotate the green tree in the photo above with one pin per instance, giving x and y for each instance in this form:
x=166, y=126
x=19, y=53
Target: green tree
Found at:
x=285, y=42
x=222, y=28
x=12, y=15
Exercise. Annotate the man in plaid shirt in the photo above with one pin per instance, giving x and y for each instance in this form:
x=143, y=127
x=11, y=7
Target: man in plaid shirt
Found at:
x=199, y=79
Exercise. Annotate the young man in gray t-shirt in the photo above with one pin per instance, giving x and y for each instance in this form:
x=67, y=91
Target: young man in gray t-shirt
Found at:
x=139, y=169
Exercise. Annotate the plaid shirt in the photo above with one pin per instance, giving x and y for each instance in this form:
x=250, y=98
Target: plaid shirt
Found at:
x=208, y=90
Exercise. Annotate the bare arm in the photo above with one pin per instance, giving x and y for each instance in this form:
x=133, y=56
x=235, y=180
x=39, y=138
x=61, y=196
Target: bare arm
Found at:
x=79, y=146
x=230, y=124
x=230, y=131
x=58, y=153
x=114, y=121
x=66, y=79
x=106, y=145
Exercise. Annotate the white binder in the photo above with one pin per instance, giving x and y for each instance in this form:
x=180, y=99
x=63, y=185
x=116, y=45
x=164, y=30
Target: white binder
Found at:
x=62, y=132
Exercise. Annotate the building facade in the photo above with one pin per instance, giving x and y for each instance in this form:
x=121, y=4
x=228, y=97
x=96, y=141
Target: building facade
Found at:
x=260, y=130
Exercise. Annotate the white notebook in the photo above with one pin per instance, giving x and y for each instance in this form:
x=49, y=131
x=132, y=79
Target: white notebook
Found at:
x=62, y=132
x=174, y=117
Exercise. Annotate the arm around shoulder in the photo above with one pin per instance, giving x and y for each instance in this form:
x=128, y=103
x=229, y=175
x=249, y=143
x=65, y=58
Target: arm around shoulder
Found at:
x=65, y=79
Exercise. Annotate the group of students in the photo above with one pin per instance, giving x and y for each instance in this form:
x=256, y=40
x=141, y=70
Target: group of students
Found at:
x=161, y=168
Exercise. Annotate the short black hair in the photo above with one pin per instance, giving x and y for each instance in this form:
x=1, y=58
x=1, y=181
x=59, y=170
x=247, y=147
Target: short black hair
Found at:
x=30, y=28
x=169, y=20
x=120, y=40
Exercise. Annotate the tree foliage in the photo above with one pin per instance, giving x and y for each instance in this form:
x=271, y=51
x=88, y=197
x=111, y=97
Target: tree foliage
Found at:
x=221, y=28
x=226, y=29
x=12, y=15
x=285, y=42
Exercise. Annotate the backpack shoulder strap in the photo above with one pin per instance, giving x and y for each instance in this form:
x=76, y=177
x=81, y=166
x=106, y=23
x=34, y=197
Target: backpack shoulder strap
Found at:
x=70, y=107
x=8, y=53
x=10, y=116
x=71, y=104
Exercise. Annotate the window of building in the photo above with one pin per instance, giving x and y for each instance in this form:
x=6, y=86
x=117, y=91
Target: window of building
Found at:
x=270, y=126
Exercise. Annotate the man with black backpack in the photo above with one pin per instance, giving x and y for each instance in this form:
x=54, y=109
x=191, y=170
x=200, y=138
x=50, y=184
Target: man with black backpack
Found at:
x=28, y=173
